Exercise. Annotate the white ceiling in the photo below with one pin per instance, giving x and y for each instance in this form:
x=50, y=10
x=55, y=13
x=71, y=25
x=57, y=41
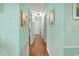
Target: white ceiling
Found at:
x=38, y=6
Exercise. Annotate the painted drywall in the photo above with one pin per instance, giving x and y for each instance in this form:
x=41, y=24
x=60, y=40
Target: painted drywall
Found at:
x=71, y=31
x=71, y=51
x=24, y=32
x=71, y=27
x=9, y=30
x=55, y=35
x=1, y=7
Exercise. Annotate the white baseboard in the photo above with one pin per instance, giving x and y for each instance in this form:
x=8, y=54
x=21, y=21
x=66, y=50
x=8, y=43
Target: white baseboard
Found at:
x=71, y=46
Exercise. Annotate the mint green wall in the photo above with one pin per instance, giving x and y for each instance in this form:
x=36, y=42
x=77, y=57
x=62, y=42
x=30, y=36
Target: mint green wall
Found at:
x=71, y=51
x=9, y=29
x=55, y=38
x=24, y=32
x=71, y=31
x=71, y=27
x=1, y=7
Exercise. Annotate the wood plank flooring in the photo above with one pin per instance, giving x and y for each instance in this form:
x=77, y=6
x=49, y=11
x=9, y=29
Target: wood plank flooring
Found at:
x=38, y=48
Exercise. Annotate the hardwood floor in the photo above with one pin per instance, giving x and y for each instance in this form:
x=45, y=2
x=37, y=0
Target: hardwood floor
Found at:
x=38, y=48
